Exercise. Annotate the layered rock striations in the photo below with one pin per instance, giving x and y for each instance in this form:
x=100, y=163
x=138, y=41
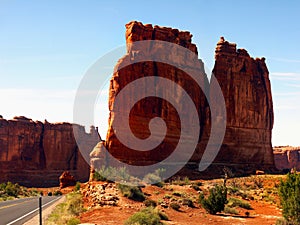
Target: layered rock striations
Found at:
x=244, y=82
x=36, y=153
x=151, y=107
x=247, y=92
x=287, y=157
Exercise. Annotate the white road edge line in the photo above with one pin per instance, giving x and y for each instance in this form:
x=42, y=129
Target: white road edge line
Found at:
x=31, y=212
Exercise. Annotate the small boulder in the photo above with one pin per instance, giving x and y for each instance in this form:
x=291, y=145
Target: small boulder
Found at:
x=66, y=180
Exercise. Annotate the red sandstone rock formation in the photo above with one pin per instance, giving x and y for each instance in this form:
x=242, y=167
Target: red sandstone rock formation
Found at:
x=66, y=180
x=247, y=91
x=151, y=107
x=287, y=157
x=36, y=153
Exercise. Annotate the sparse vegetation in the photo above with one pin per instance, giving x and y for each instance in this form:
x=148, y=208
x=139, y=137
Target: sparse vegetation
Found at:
x=10, y=191
x=77, y=186
x=131, y=192
x=216, y=200
x=181, y=181
x=235, y=202
x=175, y=206
x=230, y=210
x=155, y=178
x=188, y=202
x=289, y=192
x=147, y=216
x=150, y=202
x=112, y=174
x=65, y=213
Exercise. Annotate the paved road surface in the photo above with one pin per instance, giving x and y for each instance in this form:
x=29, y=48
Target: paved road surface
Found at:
x=16, y=212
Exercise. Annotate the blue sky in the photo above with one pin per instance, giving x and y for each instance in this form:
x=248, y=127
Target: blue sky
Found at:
x=47, y=46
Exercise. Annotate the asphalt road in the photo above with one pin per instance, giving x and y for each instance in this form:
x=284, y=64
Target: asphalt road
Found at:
x=17, y=212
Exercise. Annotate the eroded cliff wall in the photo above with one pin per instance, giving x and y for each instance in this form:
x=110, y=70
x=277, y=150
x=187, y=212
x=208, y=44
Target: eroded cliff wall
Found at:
x=36, y=153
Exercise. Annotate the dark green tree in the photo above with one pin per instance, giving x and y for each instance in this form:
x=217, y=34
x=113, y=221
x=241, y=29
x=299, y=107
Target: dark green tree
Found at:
x=289, y=192
x=216, y=200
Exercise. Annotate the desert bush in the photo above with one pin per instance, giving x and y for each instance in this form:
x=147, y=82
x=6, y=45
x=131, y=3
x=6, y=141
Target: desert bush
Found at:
x=131, y=192
x=178, y=194
x=175, y=206
x=147, y=216
x=281, y=221
x=216, y=200
x=289, y=192
x=230, y=210
x=57, y=193
x=77, y=186
x=10, y=189
x=235, y=202
x=64, y=213
x=74, y=203
x=181, y=181
x=112, y=174
x=188, y=202
x=150, y=202
x=195, y=187
x=155, y=178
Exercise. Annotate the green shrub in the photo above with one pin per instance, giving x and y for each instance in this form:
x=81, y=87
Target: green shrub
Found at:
x=188, y=202
x=195, y=187
x=131, y=192
x=73, y=221
x=57, y=193
x=74, y=203
x=289, y=192
x=233, y=202
x=155, y=178
x=112, y=173
x=216, y=200
x=12, y=189
x=147, y=216
x=77, y=186
x=150, y=202
x=178, y=194
x=175, y=206
x=281, y=221
x=230, y=210
x=181, y=182
x=64, y=213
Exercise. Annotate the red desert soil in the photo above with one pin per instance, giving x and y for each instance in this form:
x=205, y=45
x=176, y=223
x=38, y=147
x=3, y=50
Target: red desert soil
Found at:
x=265, y=211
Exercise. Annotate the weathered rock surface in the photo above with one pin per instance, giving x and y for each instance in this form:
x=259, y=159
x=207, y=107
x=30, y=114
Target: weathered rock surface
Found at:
x=66, y=180
x=244, y=82
x=150, y=107
x=36, y=153
x=287, y=157
x=247, y=92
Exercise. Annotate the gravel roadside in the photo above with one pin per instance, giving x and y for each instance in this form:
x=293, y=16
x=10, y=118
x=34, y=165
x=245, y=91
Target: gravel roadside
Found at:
x=35, y=220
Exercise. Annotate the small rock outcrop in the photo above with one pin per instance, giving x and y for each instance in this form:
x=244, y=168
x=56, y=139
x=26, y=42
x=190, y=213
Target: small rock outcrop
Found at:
x=66, y=180
x=33, y=153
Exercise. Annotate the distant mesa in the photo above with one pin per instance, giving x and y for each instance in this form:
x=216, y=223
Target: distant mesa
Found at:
x=287, y=157
x=33, y=153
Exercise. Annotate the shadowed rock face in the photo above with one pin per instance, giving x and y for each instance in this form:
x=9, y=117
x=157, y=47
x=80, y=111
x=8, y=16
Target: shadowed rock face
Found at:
x=246, y=87
x=36, y=153
x=247, y=92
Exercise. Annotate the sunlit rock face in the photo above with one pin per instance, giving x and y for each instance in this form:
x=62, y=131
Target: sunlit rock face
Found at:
x=246, y=87
x=33, y=153
x=247, y=92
